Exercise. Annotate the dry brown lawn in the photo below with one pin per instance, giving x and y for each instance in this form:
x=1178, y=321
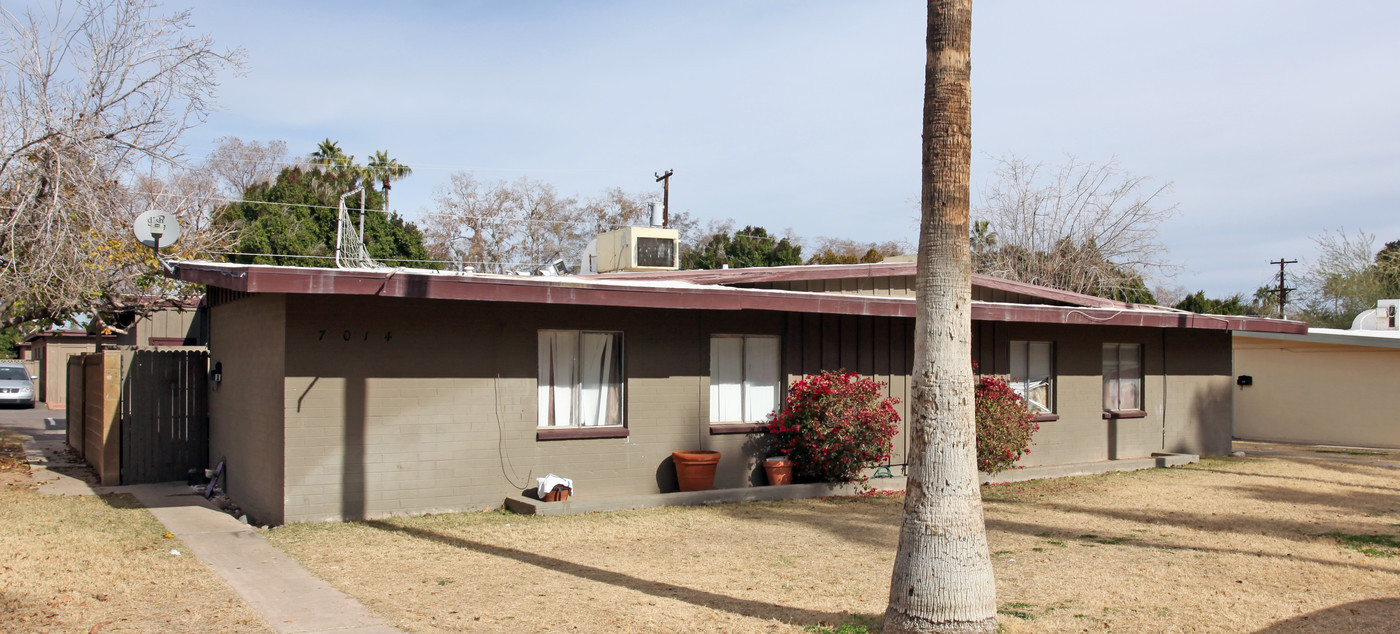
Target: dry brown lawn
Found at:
x=1230, y=545
x=100, y=564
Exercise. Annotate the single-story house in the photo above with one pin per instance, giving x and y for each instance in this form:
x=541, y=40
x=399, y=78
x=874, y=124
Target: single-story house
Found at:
x=352, y=393
x=1325, y=386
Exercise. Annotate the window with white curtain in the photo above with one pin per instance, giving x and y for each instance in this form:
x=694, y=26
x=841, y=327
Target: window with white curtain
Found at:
x=580, y=378
x=1122, y=377
x=1033, y=374
x=744, y=378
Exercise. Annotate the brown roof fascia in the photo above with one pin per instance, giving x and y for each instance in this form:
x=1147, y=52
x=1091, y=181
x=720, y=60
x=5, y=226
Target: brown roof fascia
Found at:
x=583, y=291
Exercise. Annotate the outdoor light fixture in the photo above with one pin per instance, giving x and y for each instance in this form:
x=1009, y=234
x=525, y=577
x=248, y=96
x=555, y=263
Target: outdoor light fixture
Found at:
x=217, y=376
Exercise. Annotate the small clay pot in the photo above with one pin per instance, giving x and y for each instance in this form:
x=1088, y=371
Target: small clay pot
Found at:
x=560, y=493
x=695, y=470
x=779, y=471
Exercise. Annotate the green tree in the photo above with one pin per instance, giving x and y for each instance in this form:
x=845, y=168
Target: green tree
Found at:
x=1232, y=305
x=10, y=337
x=747, y=248
x=296, y=216
x=329, y=156
x=846, y=251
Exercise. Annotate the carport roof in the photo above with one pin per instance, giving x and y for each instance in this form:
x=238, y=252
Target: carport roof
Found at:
x=689, y=290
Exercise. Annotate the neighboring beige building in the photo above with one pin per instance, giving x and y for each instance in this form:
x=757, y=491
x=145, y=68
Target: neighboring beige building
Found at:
x=364, y=393
x=1334, y=387
x=50, y=350
x=170, y=324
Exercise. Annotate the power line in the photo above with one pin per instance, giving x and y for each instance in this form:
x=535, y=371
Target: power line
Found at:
x=283, y=163
x=417, y=213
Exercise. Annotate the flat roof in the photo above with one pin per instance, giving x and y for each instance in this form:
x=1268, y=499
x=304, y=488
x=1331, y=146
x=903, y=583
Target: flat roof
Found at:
x=669, y=292
x=1334, y=336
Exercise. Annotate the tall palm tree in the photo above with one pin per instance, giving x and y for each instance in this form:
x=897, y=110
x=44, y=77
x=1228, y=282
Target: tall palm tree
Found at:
x=386, y=170
x=328, y=154
x=942, y=579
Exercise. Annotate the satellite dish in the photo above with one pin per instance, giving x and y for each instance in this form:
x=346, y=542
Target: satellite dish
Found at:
x=157, y=228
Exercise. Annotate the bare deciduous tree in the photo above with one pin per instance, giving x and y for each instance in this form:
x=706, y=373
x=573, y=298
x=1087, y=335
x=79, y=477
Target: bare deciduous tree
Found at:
x=244, y=164
x=1080, y=226
x=92, y=93
x=1345, y=278
x=501, y=226
x=942, y=580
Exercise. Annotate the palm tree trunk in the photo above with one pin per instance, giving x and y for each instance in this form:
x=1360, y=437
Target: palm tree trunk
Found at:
x=942, y=579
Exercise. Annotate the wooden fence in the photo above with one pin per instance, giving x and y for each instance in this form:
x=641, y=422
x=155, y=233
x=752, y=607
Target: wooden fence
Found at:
x=144, y=413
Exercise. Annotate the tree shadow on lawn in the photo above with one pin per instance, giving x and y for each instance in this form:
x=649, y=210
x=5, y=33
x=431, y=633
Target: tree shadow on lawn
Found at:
x=860, y=521
x=741, y=607
x=1299, y=479
x=1371, y=615
x=1138, y=540
x=1361, y=503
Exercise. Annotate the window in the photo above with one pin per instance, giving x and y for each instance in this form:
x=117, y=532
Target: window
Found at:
x=1033, y=374
x=580, y=378
x=1122, y=377
x=744, y=381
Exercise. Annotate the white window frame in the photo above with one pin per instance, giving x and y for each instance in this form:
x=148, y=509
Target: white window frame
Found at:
x=1115, y=364
x=756, y=384
x=571, y=401
x=1026, y=379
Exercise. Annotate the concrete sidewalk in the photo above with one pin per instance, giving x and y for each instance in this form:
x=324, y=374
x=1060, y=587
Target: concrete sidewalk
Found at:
x=290, y=599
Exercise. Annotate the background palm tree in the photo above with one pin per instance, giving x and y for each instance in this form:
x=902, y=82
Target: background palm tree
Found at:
x=386, y=170
x=328, y=155
x=942, y=580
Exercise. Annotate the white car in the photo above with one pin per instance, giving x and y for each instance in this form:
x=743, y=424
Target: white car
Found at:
x=16, y=386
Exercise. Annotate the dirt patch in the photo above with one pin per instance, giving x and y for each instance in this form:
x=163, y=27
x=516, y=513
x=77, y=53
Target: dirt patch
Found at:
x=1225, y=546
x=14, y=468
x=100, y=564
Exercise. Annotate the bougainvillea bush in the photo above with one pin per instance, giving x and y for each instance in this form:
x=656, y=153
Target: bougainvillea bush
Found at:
x=833, y=425
x=1004, y=425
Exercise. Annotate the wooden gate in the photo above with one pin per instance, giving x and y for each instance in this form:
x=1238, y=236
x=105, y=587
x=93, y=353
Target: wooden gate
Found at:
x=164, y=413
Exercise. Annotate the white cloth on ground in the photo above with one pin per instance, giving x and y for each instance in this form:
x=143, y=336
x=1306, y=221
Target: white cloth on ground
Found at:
x=547, y=483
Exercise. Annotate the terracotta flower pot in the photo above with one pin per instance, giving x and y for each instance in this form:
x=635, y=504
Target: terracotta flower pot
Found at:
x=695, y=470
x=779, y=471
x=560, y=493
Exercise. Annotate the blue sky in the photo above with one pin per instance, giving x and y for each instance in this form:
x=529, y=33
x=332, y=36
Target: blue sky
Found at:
x=1274, y=121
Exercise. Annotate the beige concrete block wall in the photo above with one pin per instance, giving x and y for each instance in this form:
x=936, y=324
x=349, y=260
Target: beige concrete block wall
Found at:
x=54, y=370
x=1317, y=393
x=248, y=339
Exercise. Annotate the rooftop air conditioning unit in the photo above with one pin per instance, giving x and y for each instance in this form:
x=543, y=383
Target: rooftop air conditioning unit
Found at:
x=635, y=249
x=1386, y=316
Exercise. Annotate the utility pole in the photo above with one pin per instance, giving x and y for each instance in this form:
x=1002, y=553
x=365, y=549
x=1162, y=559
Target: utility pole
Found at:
x=665, y=179
x=1283, y=288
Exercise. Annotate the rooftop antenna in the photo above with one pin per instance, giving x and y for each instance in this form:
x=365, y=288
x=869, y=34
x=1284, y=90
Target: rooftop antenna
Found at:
x=350, y=249
x=155, y=228
x=665, y=180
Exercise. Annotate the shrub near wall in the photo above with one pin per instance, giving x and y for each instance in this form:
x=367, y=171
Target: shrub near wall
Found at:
x=834, y=425
x=1004, y=425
